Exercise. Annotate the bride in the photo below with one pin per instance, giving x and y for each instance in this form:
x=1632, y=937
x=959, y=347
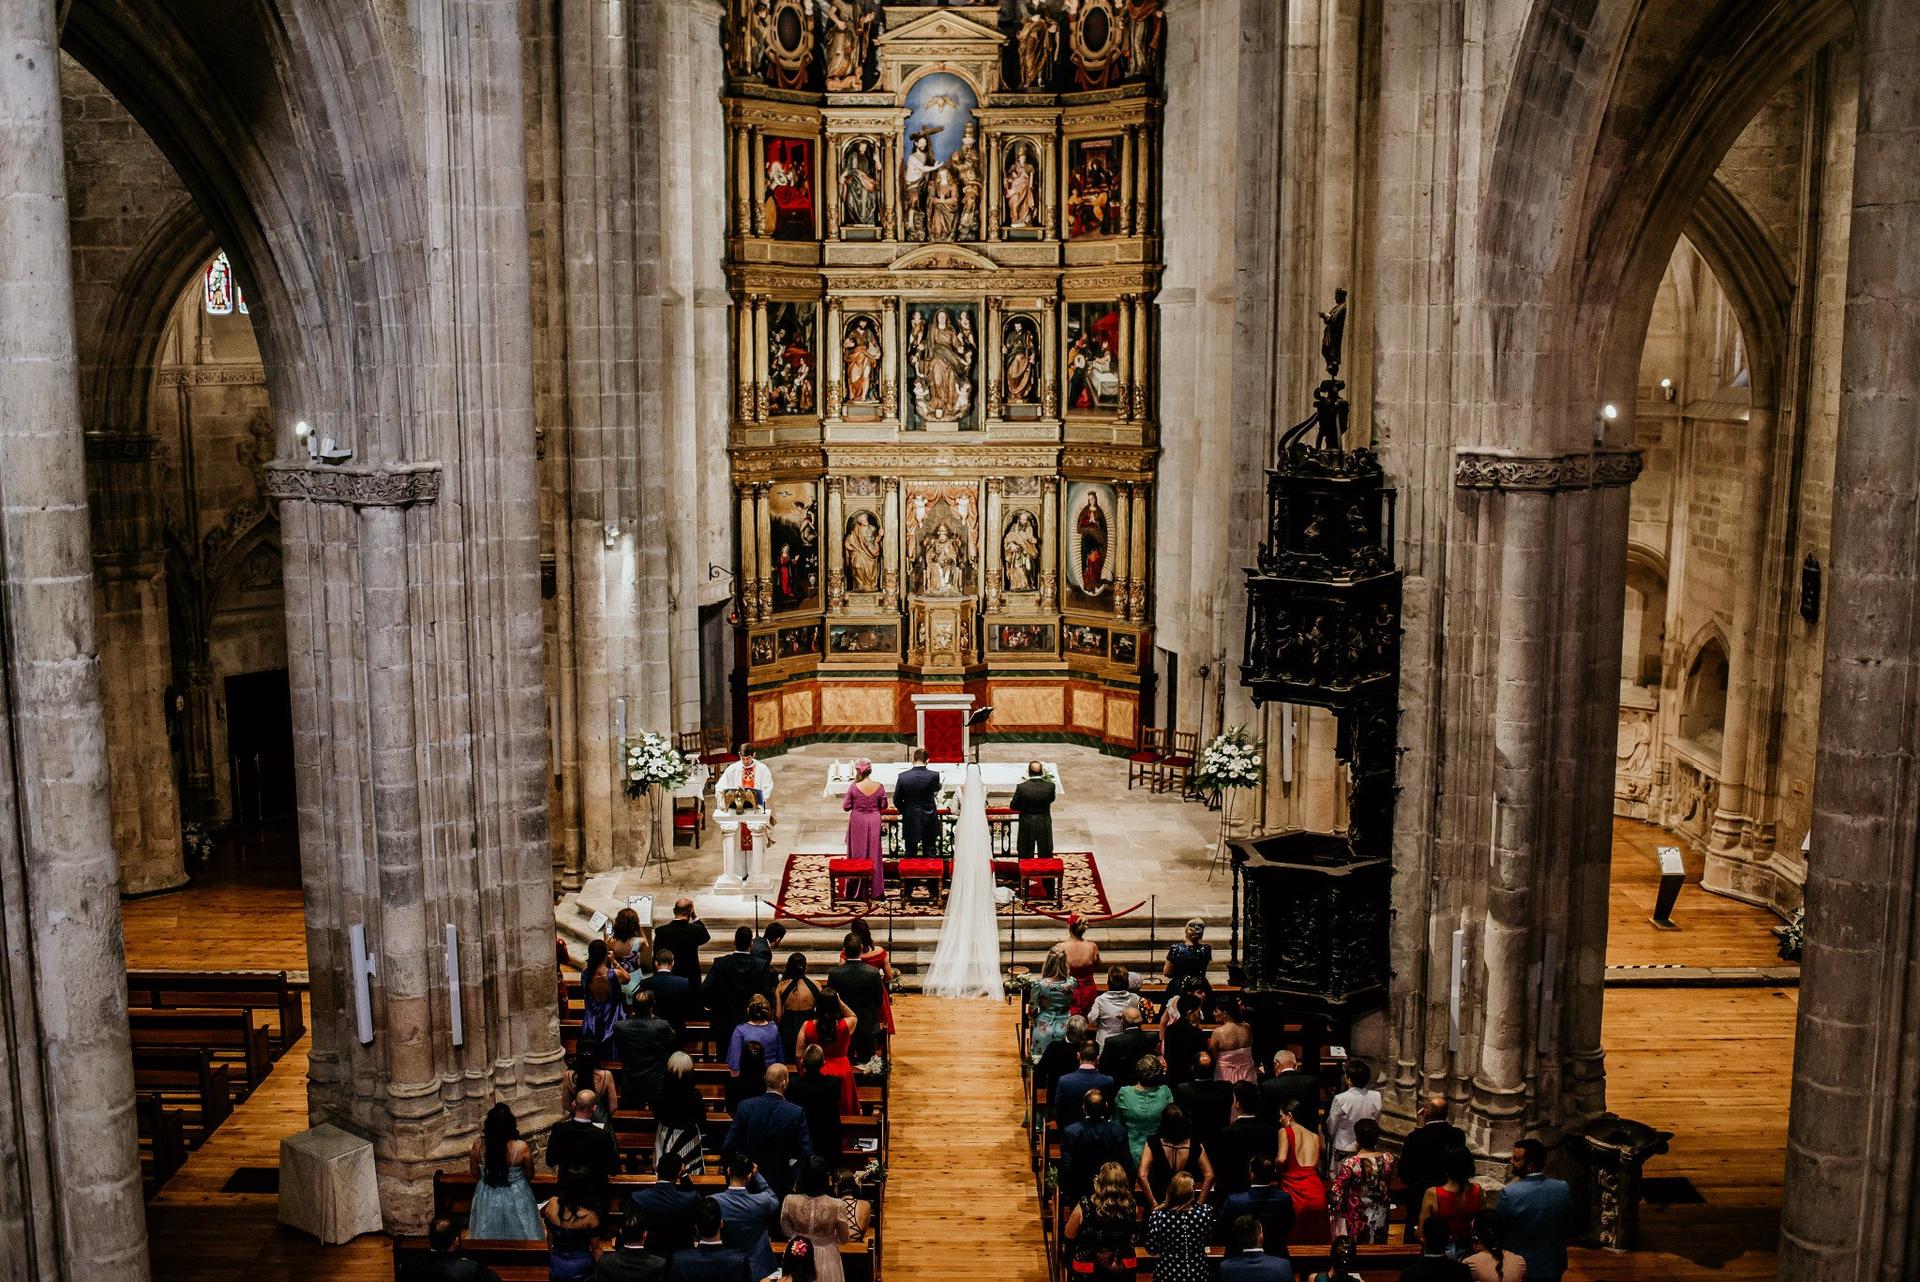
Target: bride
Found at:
x=967, y=961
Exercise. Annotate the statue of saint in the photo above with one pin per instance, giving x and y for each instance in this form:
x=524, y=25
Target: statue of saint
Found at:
x=1039, y=45
x=862, y=547
x=1334, y=332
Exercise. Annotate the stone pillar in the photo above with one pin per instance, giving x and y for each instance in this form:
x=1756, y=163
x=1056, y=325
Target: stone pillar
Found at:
x=895, y=538
x=1049, y=541
x=990, y=536
x=1851, y=1199
x=1122, y=546
x=72, y=1209
x=833, y=535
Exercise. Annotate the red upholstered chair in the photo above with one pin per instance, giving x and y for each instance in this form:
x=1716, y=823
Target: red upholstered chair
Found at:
x=1042, y=879
x=844, y=876
x=929, y=875
x=716, y=748
x=690, y=816
x=1141, y=764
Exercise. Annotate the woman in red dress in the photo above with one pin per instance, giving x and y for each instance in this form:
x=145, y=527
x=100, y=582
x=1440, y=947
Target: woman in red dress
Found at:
x=1083, y=960
x=1300, y=1177
x=831, y=1029
x=875, y=956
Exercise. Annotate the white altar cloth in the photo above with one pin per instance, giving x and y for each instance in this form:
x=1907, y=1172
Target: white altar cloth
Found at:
x=999, y=776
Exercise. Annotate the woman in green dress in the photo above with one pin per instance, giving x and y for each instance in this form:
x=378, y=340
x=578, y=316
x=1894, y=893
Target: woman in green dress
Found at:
x=1138, y=1107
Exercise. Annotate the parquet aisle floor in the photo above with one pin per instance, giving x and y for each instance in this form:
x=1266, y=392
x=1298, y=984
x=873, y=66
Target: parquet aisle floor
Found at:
x=960, y=1193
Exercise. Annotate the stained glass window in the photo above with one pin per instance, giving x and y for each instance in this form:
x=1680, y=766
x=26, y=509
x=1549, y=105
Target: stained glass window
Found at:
x=219, y=292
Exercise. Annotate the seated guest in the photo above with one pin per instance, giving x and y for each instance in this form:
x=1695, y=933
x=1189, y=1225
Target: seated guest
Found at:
x=586, y=1074
x=1247, y=1259
x=818, y=1096
x=757, y=1026
x=1533, y=1210
x=1062, y=1056
x=1491, y=1262
x=673, y=993
x=1069, y=1090
x=1138, y=1107
x=733, y=980
x=1266, y=1203
x=1106, y=1015
x=1088, y=1145
x=630, y=1260
x=444, y=1264
x=572, y=1220
x=1434, y=1264
x=1177, y=1233
x=680, y=1116
x=643, y=1042
x=1103, y=1230
x=772, y=1132
x=1173, y=1151
x=581, y=1141
x=1455, y=1199
x=813, y=1215
x=1361, y=1199
x=1182, y=1039
x=769, y=942
x=1121, y=1053
x=751, y=1212
x=751, y=1078
x=1190, y=957
x=1358, y=1101
x=1245, y=1138
x=1290, y=1084
x=709, y=1259
x=665, y=1207
x=1208, y=1101
x=796, y=1262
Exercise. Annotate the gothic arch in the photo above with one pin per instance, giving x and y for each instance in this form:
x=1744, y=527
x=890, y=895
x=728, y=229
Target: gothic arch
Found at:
x=173, y=252
x=1752, y=274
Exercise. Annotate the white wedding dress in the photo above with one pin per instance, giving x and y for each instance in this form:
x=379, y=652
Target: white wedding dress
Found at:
x=967, y=961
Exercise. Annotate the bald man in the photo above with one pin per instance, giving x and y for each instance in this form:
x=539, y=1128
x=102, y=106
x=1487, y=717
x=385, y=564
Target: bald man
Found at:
x=1423, y=1155
x=1033, y=802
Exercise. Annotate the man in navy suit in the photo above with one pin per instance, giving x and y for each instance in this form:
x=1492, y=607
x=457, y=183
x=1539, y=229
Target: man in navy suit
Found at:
x=752, y=1213
x=709, y=1259
x=1072, y=1087
x=666, y=1207
x=772, y=1132
x=1266, y=1202
x=1248, y=1261
x=1533, y=1210
x=674, y=995
x=916, y=795
x=1088, y=1145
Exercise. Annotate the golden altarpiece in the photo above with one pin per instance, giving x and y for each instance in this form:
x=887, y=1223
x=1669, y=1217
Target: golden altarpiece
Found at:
x=943, y=254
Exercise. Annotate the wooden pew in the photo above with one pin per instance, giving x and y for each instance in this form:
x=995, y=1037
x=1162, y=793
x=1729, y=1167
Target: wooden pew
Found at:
x=245, y=989
x=527, y=1261
x=634, y=1131
x=1377, y=1263
x=230, y=1034
x=184, y=1075
x=163, y=1141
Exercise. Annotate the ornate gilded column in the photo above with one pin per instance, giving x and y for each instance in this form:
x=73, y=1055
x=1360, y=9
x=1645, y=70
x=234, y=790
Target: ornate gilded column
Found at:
x=1130, y=181
x=1123, y=359
x=742, y=182
x=890, y=357
x=763, y=544
x=990, y=344
x=1142, y=363
x=760, y=372
x=836, y=524
x=990, y=535
x=757, y=178
x=829, y=192
x=1122, y=547
x=835, y=374
x=1143, y=212
x=895, y=535
x=750, y=566
x=1051, y=357
x=1137, y=575
x=990, y=196
x=1049, y=542
x=743, y=356
x=890, y=185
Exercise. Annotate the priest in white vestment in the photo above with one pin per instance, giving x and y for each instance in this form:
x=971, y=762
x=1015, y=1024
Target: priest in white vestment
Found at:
x=747, y=773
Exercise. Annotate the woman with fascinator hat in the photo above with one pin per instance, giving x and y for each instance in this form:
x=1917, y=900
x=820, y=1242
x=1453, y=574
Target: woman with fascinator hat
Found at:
x=864, y=802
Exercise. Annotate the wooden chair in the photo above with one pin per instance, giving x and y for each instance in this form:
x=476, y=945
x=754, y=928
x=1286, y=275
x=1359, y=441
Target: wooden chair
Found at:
x=1142, y=764
x=689, y=815
x=1175, y=769
x=716, y=750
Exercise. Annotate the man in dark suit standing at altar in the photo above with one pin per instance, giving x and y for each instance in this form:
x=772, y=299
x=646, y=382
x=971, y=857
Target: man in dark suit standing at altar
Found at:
x=916, y=795
x=1033, y=801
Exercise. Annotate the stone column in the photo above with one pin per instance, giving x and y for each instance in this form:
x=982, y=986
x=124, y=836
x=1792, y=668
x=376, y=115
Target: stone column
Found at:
x=990, y=535
x=1137, y=565
x=763, y=544
x=1049, y=541
x=892, y=551
x=72, y=1209
x=750, y=567
x=833, y=534
x=1851, y=1199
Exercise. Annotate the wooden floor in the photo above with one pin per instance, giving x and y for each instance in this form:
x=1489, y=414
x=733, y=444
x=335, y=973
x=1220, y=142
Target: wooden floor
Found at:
x=1714, y=930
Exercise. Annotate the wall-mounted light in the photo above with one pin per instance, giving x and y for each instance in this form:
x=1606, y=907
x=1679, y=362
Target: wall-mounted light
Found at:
x=303, y=433
x=360, y=973
x=1608, y=413
x=613, y=533
x=1667, y=389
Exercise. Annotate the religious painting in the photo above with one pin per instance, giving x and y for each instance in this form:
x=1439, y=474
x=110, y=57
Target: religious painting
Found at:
x=1020, y=551
x=862, y=369
x=860, y=189
x=942, y=342
x=1088, y=555
x=791, y=384
x=943, y=527
x=793, y=545
x=882, y=639
x=1020, y=188
x=1093, y=361
x=800, y=643
x=1085, y=640
x=1126, y=648
x=1020, y=638
x=943, y=173
x=863, y=551
x=762, y=649
x=1093, y=187
x=789, y=208
x=1020, y=367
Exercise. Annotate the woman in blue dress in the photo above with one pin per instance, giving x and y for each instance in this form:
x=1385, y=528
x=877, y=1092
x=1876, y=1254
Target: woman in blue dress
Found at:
x=501, y=1164
x=572, y=1224
x=1052, y=1002
x=602, y=998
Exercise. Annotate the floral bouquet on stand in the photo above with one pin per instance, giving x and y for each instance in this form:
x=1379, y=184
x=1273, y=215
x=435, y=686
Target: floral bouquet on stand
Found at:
x=1231, y=761
x=652, y=761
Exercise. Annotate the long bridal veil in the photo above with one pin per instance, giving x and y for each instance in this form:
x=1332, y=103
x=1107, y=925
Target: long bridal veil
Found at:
x=967, y=961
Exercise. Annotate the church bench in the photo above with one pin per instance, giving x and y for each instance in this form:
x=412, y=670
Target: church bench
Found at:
x=527, y=1261
x=184, y=1075
x=163, y=1141
x=1377, y=1263
x=230, y=1034
x=634, y=1131
x=248, y=990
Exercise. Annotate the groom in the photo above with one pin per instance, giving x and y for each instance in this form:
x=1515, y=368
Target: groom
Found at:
x=1033, y=799
x=916, y=795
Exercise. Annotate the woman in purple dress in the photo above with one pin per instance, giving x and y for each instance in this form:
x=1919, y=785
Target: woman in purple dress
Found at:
x=866, y=798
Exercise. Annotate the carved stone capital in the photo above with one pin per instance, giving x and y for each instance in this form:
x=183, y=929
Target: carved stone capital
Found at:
x=1501, y=470
x=401, y=486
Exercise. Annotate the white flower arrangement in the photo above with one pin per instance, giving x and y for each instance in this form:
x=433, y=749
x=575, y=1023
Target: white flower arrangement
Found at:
x=652, y=760
x=1232, y=760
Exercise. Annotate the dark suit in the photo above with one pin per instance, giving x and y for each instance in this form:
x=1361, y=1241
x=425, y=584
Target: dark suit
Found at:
x=684, y=939
x=1238, y=1145
x=444, y=1268
x=1056, y=1061
x=674, y=997
x=1084, y=1148
x=1438, y=1268
x=1268, y=1204
x=1072, y=1088
x=1121, y=1055
x=1255, y=1266
x=818, y=1096
x=773, y=1132
x=1208, y=1104
x=863, y=989
x=667, y=1210
x=1033, y=801
x=916, y=795
x=577, y=1143
x=708, y=1264
x=643, y=1046
x=1423, y=1160
x=731, y=982
x=1279, y=1093
x=1184, y=1041
x=626, y=1264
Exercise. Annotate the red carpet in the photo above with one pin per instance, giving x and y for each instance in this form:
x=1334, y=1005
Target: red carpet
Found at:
x=804, y=889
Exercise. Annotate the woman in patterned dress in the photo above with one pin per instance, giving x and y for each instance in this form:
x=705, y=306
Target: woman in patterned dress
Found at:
x=1361, y=1201
x=1052, y=1002
x=1177, y=1234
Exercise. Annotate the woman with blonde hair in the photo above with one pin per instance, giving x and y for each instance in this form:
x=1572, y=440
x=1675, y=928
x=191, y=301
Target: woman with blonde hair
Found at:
x=1177, y=1233
x=1103, y=1233
x=1052, y=1000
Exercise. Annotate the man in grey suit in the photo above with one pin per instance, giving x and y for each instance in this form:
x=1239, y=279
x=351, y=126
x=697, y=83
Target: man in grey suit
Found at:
x=1033, y=801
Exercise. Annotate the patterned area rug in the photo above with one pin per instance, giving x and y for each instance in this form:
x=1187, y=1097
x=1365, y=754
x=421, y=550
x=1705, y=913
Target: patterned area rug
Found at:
x=804, y=890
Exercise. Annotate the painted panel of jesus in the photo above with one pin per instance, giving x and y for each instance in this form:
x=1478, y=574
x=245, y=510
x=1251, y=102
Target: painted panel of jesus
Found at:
x=1088, y=555
x=943, y=174
x=943, y=344
x=794, y=545
x=943, y=538
x=791, y=385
